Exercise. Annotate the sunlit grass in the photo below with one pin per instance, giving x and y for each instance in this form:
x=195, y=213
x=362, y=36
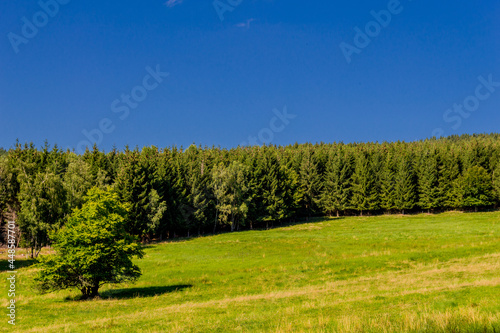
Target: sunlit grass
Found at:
x=423, y=273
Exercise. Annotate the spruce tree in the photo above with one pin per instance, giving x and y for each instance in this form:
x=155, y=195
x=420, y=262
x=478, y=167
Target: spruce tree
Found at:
x=132, y=187
x=428, y=182
x=364, y=194
x=197, y=181
x=405, y=195
x=387, y=183
x=336, y=192
x=165, y=185
x=291, y=191
x=272, y=188
x=310, y=182
x=449, y=172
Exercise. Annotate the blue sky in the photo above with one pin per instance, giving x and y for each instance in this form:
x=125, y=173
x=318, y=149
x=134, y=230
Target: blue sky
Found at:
x=229, y=79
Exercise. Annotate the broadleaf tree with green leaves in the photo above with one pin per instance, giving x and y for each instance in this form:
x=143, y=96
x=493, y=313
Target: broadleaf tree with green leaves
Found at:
x=92, y=249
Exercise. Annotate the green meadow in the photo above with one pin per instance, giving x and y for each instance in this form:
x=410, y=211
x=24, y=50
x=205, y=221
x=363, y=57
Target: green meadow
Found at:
x=419, y=273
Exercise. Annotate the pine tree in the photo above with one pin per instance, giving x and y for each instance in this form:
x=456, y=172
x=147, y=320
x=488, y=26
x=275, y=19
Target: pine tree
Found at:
x=254, y=191
x=336, y=192
x=330, y=183
x=364, y=194
x=449, y=172
x=132, y=187
x=170, y=190
x=291, y=191
x=310, y=182
x=428, y=182
x=271, y=187
x=405, y=195
x=197, y=181
x=98, y=165
x=387, y=183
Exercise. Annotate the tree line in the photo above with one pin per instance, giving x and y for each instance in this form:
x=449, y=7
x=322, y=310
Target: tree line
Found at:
x=175, y=192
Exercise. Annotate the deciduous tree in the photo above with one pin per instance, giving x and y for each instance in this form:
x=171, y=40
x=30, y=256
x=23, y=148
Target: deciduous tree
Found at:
x=92, y=249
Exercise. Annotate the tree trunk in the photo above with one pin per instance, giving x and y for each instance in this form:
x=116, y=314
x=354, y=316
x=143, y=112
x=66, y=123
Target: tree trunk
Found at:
x=94, y=292
x=85, y=292
x=89, y=292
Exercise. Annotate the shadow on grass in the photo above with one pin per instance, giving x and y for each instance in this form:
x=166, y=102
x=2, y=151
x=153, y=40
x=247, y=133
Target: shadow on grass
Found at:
x=142, y=292
x=257, y=227
x=131, y=293
x=262, y=226
x=4, y=264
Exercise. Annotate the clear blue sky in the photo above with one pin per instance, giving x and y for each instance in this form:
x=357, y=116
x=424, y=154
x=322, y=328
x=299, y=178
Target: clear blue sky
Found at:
x=227, y=76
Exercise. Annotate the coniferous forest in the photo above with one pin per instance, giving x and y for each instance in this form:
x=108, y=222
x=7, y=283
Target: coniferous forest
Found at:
x=175, y=192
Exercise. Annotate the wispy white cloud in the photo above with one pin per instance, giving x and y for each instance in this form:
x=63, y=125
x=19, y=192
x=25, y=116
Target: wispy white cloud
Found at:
x=172, y=3
x=245, y=24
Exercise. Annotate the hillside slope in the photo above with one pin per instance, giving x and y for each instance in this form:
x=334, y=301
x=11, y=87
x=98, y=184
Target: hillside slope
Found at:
x=388, y=273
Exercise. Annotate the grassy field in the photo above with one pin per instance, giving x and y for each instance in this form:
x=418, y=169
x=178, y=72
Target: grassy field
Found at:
x=423, y=273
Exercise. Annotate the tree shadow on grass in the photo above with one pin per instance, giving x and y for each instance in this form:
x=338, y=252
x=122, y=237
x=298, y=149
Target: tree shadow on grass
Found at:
x=142, y=292
x=5, y=265
x=257, y=226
